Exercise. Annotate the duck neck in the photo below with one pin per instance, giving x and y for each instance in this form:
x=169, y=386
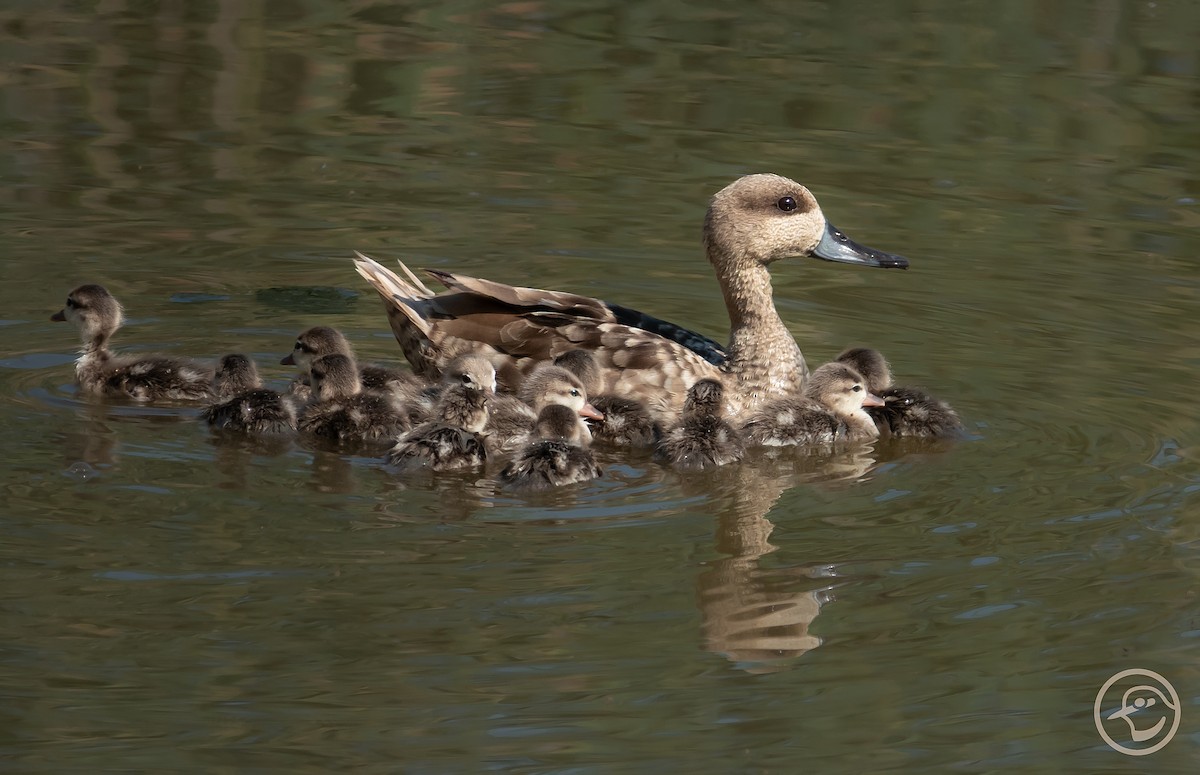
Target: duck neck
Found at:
x=761, y=349
x=95, y=346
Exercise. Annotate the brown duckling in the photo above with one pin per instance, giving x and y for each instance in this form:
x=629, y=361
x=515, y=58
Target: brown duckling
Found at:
x=245, y=405
x=342, y=411
x=907, y=412
x=453, y=441
x=702, y=438
x=319, y=341
x=514, y=418
x=831, y=409
x=557, y=457
x=627, y=422
x=98, y=315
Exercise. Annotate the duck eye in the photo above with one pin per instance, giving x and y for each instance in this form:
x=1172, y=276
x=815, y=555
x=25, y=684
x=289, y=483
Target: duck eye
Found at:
x=70, y=303
x=856, y=388
x=574, y=393
x=466, y=379
x=787, y=204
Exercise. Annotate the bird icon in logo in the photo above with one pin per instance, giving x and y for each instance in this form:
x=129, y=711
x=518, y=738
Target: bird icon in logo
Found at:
x=1128, y=708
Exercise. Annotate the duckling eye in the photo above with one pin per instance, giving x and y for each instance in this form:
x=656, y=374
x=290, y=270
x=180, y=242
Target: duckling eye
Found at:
x=71, y=303
x=856, y=388
x=466, y=379
x=787, y=204
x=574, y=393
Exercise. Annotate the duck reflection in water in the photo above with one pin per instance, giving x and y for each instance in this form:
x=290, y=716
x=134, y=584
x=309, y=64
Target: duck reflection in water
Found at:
x=761, y=618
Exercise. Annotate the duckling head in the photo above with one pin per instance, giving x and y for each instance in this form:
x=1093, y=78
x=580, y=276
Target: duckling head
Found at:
x=841, y=390
x=473, y=372
x=871, y=365
x=550, y=384
x=583, y=365
x=235, y=374
x=334, y=376
x=314, y=343
x=560, y=423
x=704, y=398
x=95, y=312
x=763, y=218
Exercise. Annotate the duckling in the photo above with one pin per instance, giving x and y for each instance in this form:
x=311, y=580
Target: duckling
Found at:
x=559, y=455
x=342, y=411
x=98, y=315
x=452, y=441
x=247, y=406
x=514, y=418
x=907, y=412
x=702, y=438
x=831, y=409
x=627, y=422
x=320, y=341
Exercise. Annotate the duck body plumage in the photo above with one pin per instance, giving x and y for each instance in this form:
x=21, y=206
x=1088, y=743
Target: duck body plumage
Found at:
x=907, y=412
x=753, y=222
x=453, y=440
x=702, y=438
x=100, y=372
x=341, y=411
x=243, y=405
x=559, y=455
x=626, y=422
x=912, y=413
x=792, y=422
x=546, y=464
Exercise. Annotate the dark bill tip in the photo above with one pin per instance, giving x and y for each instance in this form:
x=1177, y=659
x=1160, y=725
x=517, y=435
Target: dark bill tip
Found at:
x=836, y=246
x=287, y=360
x=59, y=317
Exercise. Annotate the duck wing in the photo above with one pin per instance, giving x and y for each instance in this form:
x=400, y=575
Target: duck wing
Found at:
x=530, y=325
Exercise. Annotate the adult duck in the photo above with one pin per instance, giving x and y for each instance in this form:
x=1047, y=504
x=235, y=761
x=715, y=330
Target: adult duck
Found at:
x=751, y=223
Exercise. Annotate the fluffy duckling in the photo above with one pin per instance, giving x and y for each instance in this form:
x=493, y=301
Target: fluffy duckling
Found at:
x=247, y=406
x=559, y=455
x=319, y=341
x=831, y=409
x=514, y=418
x=98, y=315
x=452, y=442
x=342, y=411
x=627, y=422
x=907, y=412
x=702, y=438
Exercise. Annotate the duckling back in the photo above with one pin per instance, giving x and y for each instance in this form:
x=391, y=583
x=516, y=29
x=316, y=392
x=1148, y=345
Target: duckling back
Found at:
x=702, y=438
x=558, y=456
x=247, y=407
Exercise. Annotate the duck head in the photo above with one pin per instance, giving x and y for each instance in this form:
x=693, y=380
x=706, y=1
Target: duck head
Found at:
x=559, y=423
x=235, y=374
x=841, y=390
x=334, y=377
x=314, y=343
x=763, y=218
x=871, y=365
x=95, y=312
x=550, y=384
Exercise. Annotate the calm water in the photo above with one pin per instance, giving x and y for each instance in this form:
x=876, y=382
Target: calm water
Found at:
x=172, y=604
